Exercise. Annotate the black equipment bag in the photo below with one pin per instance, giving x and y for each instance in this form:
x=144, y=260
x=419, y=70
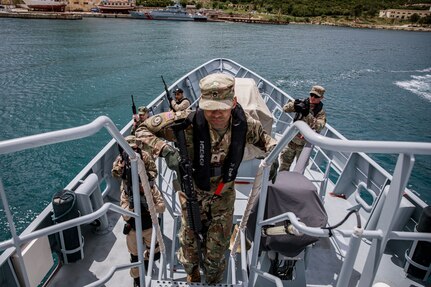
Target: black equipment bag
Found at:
x=65, y=208
x=292, y=192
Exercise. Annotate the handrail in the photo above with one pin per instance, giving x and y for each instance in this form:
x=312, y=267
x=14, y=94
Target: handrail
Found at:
x=27, y=142
x=406, y=150
x=66, y=225
x=347, y=145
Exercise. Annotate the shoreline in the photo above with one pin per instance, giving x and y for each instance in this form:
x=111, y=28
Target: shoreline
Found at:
x=407, y=27
x=80, y=15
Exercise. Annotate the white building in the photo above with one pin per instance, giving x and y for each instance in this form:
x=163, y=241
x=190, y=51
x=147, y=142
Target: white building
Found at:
x=402, y=14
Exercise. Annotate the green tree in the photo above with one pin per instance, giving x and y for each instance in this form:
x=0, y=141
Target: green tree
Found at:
x=357, y=10
x=425, y=20
x=415, y=18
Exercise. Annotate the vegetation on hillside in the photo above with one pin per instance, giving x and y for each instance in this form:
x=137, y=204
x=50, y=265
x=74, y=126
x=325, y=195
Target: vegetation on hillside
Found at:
x=308, y=10
x=312, y=8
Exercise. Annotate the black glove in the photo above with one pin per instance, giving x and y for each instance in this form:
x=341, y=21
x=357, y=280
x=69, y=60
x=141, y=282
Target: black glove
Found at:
x=273, y=170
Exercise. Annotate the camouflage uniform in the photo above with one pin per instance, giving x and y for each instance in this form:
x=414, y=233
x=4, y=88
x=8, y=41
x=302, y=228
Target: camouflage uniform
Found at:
x=216, y=211
x=316, y=122
x=141, y=111
x=180, y=105
x=159, y=204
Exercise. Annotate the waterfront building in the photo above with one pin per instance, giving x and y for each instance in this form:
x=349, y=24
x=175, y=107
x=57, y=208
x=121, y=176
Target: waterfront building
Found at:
x=402, y=13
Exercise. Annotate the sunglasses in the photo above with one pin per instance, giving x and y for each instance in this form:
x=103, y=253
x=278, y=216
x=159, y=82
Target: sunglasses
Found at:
x=314, y=96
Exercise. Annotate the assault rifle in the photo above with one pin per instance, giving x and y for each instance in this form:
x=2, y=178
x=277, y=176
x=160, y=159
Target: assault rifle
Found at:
x=302, y=108
x=127, y=175
x=186, y=171
x=168, y=95
x=133, y=108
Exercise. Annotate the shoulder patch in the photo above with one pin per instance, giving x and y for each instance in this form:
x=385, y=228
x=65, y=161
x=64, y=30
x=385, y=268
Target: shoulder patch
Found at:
x=156, y=121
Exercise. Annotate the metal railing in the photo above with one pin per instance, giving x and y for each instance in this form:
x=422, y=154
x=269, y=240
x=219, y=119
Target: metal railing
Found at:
x=383, y=232
x=19, y=144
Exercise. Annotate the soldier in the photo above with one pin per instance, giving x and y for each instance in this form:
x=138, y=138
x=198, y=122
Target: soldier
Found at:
x=221, y=128
x=143, y=114
x=309, y=110
x=127, y=202
x=180, y=103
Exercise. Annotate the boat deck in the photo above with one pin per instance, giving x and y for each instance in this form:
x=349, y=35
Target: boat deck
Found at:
x=323, y=263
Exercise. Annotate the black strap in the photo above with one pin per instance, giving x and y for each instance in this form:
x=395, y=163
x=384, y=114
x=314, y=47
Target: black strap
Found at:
x=182, y=100
x=202, y=148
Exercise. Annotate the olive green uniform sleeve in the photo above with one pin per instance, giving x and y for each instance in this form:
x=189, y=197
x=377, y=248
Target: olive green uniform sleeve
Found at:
x=151, y=133
x=117, y=168
x=135, y=125
x=288, y=107
x=257, y=136
x=319, y=121
x=150, y=165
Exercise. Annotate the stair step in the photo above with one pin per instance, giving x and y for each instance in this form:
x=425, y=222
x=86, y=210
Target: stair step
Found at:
x=170, y=283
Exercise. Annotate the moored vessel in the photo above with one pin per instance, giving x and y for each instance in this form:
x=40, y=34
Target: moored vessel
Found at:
x=172, y=13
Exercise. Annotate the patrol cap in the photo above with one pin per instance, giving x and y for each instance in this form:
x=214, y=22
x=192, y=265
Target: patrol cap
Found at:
x=318, y=91
x=217, y=92
x=142, y=110
x=178, y=90
x=131, y=140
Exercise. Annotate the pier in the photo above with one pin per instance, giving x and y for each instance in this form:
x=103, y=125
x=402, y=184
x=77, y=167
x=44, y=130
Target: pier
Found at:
x=41, y=15
x=253, y=20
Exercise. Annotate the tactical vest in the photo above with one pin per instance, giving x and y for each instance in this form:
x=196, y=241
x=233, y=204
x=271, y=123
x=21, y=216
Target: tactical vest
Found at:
x=202, y=148
x=182, y=100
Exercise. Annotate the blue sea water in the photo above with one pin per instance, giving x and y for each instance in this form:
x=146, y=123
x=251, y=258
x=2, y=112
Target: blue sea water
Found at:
x=58, y=74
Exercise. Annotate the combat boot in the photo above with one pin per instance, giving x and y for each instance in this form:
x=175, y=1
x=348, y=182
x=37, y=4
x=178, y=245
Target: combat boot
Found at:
x=195, y=276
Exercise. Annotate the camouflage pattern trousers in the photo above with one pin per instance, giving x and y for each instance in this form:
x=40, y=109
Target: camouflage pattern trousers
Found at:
x=133, y=247
x=216, y=215
x=288, y=154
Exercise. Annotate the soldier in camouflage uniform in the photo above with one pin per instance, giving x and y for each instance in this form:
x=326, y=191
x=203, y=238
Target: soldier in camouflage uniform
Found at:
x=310, y=111
x=143, y=114
x=128, y=203
x=221, y=128
x=180, y=103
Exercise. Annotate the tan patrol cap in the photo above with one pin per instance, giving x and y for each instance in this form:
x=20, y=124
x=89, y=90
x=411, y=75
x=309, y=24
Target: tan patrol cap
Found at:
x=318, y=91
x=142, y=110
x=217, y=92
x=131, y=140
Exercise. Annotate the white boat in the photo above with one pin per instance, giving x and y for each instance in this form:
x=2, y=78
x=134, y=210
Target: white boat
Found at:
x=46, y=5
x=379, y=246
x=173, y=13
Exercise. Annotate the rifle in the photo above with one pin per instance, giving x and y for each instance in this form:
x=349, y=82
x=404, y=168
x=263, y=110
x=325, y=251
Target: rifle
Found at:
x=186, y=171
x=133, y=108
x=168, y=95
x=127, y=174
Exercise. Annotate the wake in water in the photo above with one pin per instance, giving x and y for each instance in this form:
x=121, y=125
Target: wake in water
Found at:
x=419, y=85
